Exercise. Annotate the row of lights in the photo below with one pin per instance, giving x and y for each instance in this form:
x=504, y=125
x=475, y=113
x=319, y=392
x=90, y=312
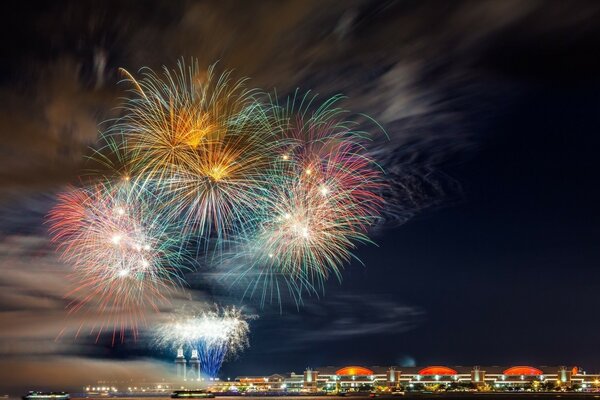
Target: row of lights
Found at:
x=101, y=389
x=202, y=379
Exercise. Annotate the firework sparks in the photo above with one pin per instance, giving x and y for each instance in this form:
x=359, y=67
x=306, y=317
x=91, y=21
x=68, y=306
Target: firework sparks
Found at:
x=287, y=191
x=321, y=200
x=217, y=334
x=202, y=139
x=125, y=259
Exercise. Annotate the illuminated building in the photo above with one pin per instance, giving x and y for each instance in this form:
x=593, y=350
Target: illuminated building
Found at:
x=360, y=378
x=273, y=382
x=129, y=388
x=355, y=378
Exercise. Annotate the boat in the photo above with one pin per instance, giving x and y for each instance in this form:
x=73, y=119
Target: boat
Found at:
x=192, y=394
x=34, y=395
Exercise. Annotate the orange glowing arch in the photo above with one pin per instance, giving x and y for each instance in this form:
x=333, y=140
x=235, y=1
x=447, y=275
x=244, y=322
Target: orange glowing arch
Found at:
x=354, y=370
x=437, y=370
x=523, y=370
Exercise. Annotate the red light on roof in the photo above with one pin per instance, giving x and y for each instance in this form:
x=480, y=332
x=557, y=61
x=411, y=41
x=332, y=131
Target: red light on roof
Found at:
x=354, y=370
x=437, y=370
x=523, y=370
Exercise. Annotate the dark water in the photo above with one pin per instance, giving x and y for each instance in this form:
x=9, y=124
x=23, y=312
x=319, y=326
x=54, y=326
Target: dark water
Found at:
x=422, y=396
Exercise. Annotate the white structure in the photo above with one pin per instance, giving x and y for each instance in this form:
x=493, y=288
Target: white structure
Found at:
x=180, y=363
x=194, y=366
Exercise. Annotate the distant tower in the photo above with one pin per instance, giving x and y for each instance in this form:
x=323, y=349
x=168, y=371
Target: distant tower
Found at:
x=194, y=365
x=477, y=376
x=310, y=380
x=180, y=364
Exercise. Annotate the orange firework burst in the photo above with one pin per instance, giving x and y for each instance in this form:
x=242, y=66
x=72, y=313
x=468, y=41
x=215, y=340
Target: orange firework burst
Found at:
x=201, y=140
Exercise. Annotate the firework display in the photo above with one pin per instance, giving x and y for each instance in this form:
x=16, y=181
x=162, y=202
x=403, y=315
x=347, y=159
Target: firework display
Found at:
x=216, y=333
x=277, y=193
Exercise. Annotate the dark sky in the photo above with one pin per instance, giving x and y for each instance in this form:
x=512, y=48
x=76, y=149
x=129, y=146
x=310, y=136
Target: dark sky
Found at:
x=489, y=251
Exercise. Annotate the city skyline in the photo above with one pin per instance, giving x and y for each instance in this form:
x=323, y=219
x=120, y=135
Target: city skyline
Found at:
x=365, y=378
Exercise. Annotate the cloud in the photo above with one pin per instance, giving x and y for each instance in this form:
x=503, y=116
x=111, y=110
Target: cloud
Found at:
x=43, y=346
x=46, y=129
x=411, y=67
x=35, y=294
x=33, y=354
x=353, y=316
x=328, y=49
x=33, y=299
x=344, y=317
x=71, y=373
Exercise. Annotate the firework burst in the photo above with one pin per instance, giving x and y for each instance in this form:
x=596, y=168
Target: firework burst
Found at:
x=322, y=197
x=284, y=192
x=202, y=139
x=216, y=333
x=125, y=259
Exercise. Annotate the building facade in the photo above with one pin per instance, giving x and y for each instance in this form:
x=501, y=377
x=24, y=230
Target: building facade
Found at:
x=360, y=378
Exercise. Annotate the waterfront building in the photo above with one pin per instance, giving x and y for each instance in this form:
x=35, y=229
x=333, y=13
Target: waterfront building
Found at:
x=275, y=382
x=355, y=378
x=361, y=378
x=128, y=388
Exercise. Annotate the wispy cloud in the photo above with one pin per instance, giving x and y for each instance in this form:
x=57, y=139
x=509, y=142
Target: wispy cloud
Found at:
x=344, y=317
x=33, y=312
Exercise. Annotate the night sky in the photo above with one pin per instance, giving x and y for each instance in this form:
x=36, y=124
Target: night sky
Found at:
x=488, y=252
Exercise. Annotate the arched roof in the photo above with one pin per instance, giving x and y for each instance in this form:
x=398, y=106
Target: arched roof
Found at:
x=437, y=370
x=523, y=370
x=354, y=370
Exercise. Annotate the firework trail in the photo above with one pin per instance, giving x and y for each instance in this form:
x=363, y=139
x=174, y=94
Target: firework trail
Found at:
x=217, y=334
x=202, y=139
x=321, y=199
